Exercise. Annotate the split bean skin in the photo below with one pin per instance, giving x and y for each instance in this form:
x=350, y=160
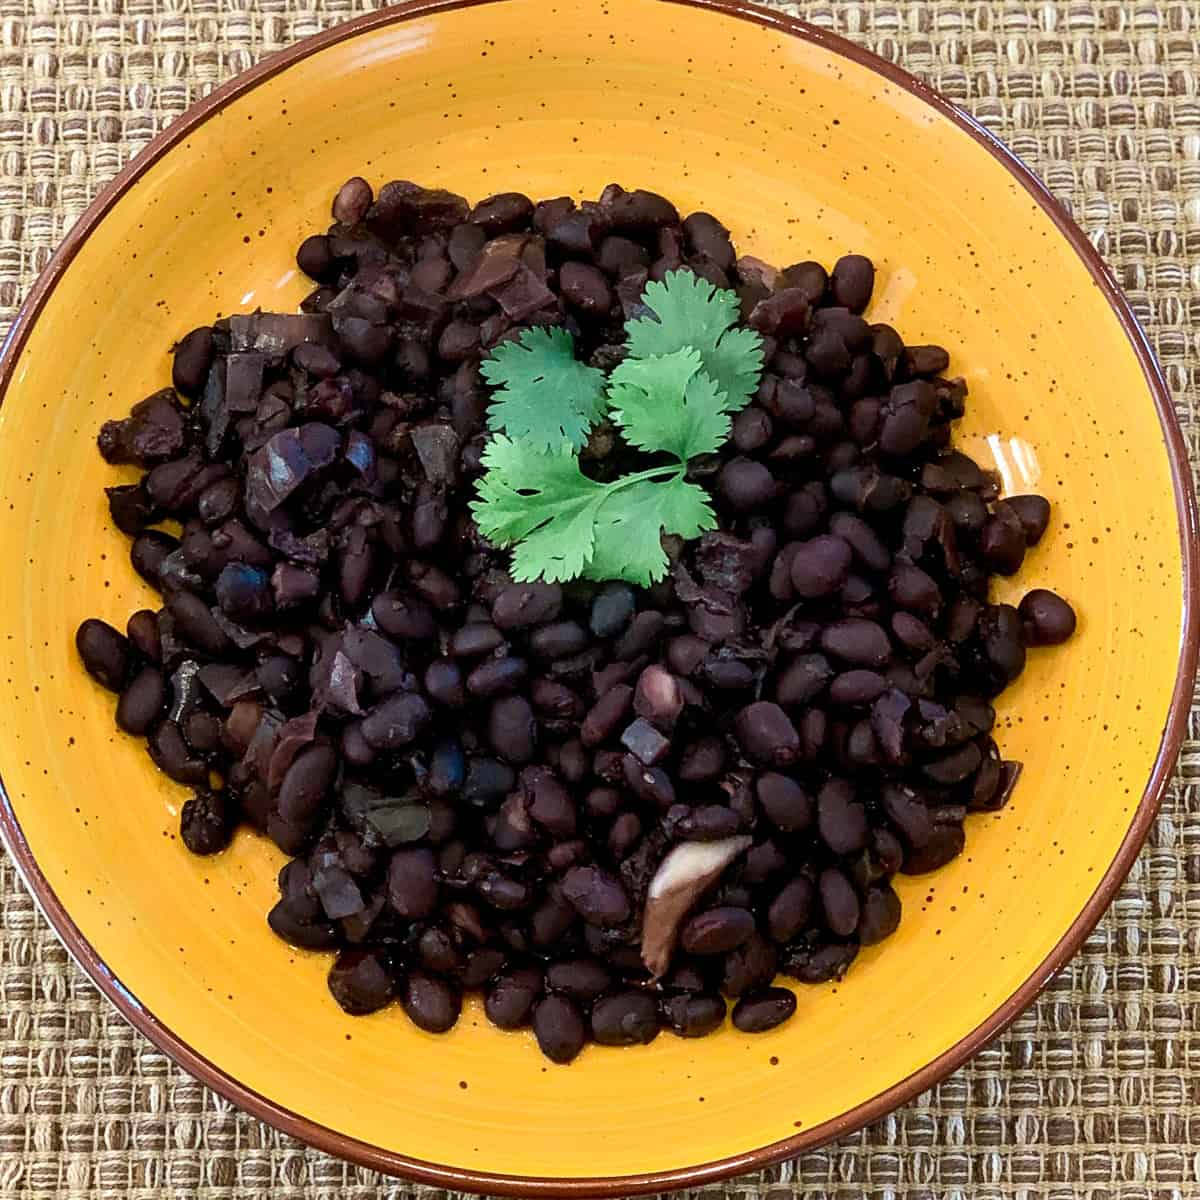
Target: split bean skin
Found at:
x=489, y=785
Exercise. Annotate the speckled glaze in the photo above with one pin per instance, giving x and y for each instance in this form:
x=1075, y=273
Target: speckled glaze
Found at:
x=806, y=147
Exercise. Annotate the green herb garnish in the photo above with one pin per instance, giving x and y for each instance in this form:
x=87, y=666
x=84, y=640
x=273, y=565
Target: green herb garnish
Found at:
x=687, y=369
x=546, y=395
x=692, y=313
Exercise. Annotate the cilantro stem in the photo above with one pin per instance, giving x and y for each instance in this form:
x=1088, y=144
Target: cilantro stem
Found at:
x=677, y=469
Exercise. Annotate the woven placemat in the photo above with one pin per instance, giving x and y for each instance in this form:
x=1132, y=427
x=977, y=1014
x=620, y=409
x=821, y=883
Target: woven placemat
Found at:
x=1094, y=1092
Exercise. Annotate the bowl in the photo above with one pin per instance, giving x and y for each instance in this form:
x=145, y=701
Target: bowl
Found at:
x=807, y=147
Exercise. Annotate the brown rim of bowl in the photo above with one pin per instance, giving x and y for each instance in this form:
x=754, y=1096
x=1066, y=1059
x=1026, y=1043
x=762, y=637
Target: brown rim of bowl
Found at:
x=449, y=1177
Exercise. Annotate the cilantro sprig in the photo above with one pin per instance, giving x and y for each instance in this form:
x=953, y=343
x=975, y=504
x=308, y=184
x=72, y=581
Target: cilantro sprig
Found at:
x=687, y=369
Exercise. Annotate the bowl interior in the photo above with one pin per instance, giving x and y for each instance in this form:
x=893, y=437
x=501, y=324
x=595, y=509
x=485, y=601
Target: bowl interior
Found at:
x=804, y=154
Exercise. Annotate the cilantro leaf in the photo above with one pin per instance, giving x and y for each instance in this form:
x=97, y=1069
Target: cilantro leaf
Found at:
x=631, y=521
x=668, y=403
x=546, y=395
x=541, y=500
x=691, y=312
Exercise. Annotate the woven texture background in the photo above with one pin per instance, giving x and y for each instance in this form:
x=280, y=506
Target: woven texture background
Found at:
x=1096, y=1091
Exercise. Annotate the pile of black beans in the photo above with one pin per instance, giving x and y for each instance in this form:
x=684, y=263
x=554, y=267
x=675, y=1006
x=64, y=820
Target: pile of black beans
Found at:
x=610, y=809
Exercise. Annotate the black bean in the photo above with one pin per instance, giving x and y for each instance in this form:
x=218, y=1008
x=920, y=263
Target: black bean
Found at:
x=651, y=784
x=857, y=687
x=624, y=833
x=582, y=979
x=912, y=588
x=716, y=930
x=307, y=783
x=1047, y=619
x=354, y=198
x=839, y=901
x=307, y=935
x=104, y=652
x=704, y=823
x=912, y=632
x=658, y=697
x=173, y=756
x=641, y=636
x=746, y=484
x=819, y=566
x=397, y=722
x=612, y=610
x=526, y=604
x=603, y=802
x=444, y=683
x=925, y=360
x=1002, y=635
x=763, y=1010
x=880, y=914
x=1002, y=540
x=767, y=734
x=803, y=679
x=430, y=1003
x=402, y=616
x=752, y=965
x=825, y=963
x=694, y=1016
x=954, y=767
x=786, y=804
x=908, y=814
x=701, y=760
x=752, y=429
x=559, y=1028
x=857, y=641
x=412, y=883
x=585, y=288
x=194, y=354
x=1033, y=512
x=841, y=819
x=142, y=701
x=361, y=982
x=510, y=999
x=596, y=896
x=502, y=213
x=475, y=639
x=550, y=804
x=497, y=677
x=863, y=540
x=204, y=823
x=142, y=631
x=555, y=700
x=195, y=623
x=606, y=715
x=789, y=911
x=852, y=281
x=316, y=259
x=944, y=843
x=686, y=653
x=626, y=1018
x=558, y=640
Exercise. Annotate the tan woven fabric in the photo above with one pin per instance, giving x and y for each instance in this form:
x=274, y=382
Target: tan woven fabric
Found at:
x=1095, y=1092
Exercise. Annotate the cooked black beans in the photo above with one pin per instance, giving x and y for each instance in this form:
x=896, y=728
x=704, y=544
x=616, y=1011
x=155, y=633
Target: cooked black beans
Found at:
x=625, y=1019
x=430, y=1003
x=492, y=784
x=694, y=1015
x=763, y=1010
x=1046, y=619
x=716, y=930
x=105, y=653
x=559, y=1028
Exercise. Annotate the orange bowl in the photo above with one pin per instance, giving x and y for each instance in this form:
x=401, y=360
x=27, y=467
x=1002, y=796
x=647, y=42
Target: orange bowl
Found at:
x=807, y=147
